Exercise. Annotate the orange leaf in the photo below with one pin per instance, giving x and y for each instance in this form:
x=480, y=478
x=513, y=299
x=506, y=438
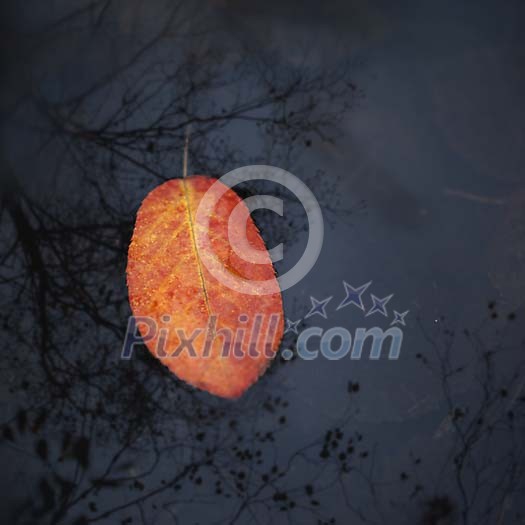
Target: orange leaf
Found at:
x=168, y=275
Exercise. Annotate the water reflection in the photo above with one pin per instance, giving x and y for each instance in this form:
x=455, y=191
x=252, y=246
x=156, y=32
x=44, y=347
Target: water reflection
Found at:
x=87, y=437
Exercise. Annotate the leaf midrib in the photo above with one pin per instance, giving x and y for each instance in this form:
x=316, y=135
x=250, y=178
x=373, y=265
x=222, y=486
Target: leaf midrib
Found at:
x=194, y=245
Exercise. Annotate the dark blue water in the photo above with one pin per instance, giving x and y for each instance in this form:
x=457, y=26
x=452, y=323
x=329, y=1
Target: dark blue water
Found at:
x=406, y=122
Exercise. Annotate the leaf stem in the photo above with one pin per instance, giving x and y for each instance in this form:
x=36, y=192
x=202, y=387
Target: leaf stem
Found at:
x=186, y=148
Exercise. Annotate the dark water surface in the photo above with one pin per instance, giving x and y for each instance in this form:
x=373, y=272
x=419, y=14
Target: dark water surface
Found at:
x=406, y=120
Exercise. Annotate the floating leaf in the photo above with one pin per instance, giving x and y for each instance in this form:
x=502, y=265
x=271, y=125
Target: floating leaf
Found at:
x=170, y=281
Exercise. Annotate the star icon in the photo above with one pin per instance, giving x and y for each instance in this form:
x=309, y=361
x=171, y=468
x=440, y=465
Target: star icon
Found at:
x=291, y=326
x=399, y=318
x=318, y=307
x=379, y=305
x=354, y=295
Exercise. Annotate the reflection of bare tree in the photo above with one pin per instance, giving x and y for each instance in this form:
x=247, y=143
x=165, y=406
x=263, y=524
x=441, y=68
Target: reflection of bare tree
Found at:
x=119, y=441
x=130, y=432
x=482, y=463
